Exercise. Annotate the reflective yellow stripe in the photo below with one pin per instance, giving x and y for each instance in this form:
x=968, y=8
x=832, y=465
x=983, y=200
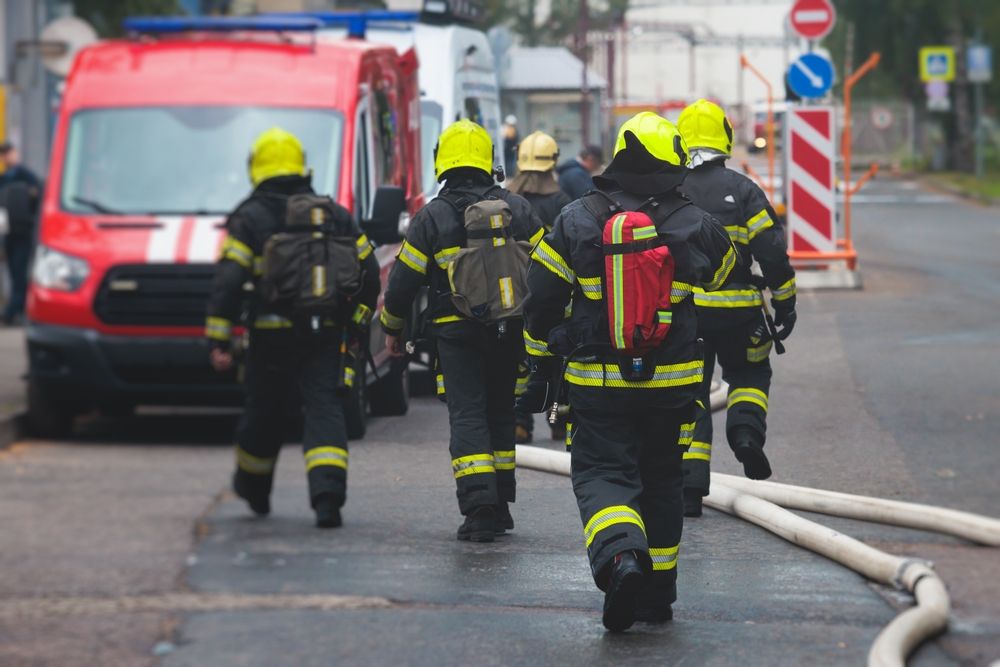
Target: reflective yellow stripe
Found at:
x=686, y=434
x=520, y=385
x=473, y=465
x=738, y=234
x=591, y=287
x=365, y=247
x=536, y=347
x=237, y=251
x=747, y=395
x=440, y=384
x=569, y=434
x=506, y=292
x=786, y=291
x=611, y=516
x=218, y=328
x=609, y=375
x=504, y=459
x=664, y=317
x=698, y=451
x=618, y=284
x=447, y=318
x=728, y=262
x=349, y=376
x=537, y=236
x=730, y=298
x=390, y=321
x=760, y=353
x=663, y=558
x=272, y=322
x=413, y=258
x=326, y=456
x=643, y=233
x=255, y=465
x=680, y=291
x=362, y=315
x=444, y=256
x=553, y=261
x=758, y=223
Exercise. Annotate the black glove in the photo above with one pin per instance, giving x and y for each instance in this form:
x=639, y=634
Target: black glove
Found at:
x=540, y=392
x=784, y=319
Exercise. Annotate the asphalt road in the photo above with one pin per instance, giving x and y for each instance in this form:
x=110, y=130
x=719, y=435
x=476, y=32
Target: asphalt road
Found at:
x=123, y=546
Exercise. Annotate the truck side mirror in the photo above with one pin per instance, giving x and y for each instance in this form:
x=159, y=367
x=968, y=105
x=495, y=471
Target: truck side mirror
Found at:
x=387, y=218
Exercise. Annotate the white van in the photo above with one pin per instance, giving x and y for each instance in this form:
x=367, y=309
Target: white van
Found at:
x=457, y=72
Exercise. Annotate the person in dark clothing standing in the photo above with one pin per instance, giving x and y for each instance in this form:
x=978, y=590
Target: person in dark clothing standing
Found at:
x=731, y=320
x=576, y=175
x=287, y=359
x=632, y=413
x=535, y=181
x=478, y=361
x=20, y=192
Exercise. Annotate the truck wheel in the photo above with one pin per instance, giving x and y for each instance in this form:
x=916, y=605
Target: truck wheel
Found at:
x=390, y=396
x=356, y=407
x=48, y=418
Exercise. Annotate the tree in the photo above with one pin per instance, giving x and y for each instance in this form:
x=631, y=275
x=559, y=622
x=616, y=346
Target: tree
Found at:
x=521, y=16
x=107, y=15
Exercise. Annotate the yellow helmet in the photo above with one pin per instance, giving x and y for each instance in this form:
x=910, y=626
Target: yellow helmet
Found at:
x=657, y=135
x=463, y=144
x=703, y=124
x=276, y=152
x=537, y=152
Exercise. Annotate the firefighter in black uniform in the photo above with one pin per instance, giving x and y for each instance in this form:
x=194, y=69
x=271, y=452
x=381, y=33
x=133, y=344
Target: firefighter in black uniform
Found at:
x=731, y=320
x=626, y=458
x=537, y=156
x=478, y=362
x=285, y=361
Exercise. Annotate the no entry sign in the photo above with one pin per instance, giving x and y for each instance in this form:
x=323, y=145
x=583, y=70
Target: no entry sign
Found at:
x=811, y=185
x=812, y=19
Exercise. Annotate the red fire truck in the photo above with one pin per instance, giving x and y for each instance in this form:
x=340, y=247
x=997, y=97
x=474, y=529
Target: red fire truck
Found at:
x=150, y=153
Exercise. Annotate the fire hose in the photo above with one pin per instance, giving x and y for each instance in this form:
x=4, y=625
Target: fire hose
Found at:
x=762, y=503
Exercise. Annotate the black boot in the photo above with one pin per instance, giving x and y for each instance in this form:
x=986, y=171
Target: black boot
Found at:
x=652, y=606
x=260, y=503
x=749, y=449
x=479, y=525
x=626, y=582
x=327, y=511
x=692, y=502
x=504, y=521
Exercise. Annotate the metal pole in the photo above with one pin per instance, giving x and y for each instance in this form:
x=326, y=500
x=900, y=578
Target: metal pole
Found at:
x=978, y=101
x=868, y=65
x=770, y=124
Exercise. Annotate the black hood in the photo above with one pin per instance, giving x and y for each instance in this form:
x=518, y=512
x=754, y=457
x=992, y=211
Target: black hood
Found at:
x=634, y=169
x=285, y=185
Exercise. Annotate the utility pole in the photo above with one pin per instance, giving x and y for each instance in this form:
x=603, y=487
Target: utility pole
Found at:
x=583, y=27
x=963, y=145
x=980, y=134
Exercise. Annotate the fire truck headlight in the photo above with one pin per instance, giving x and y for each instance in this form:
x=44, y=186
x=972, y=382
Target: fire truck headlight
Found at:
x=58, y=271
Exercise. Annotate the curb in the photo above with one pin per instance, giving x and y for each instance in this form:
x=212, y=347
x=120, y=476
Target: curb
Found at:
x=947, y=188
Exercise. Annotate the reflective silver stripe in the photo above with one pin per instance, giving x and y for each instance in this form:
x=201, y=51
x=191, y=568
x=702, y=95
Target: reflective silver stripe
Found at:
x=474, y=461
x=760, y=353
x=591, y=287
x=743, y=298
x=759, y=223
x=504, y=460
x=605, y=519
x=663, y=559
x=738, y=234
x=365, y=247
x=680, y=291
x=747, y=395
x=786, y=291
x=686, y=434
x=725, y=268
x=444, y=256
x=326, y=456
x=612, y=372
x=255, y=465
x=413, y=258
x=391, y=321
x=535, y=347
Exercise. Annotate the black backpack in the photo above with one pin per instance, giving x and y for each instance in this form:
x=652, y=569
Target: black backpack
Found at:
x=311, y=266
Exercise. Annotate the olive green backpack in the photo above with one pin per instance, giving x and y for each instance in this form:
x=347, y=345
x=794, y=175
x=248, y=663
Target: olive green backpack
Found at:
x=488, y=276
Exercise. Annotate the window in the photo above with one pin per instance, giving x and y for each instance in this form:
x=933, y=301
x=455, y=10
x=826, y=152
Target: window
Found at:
x=184, y=160
x=431, y=117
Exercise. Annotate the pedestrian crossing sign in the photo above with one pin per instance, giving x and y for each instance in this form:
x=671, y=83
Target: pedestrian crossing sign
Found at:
x=937, y=63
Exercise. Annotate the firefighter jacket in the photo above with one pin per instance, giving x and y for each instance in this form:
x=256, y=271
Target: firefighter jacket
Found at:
x=248, y=227
x=740, y=205
x=435, y=235
x=568, y=264
x=547, y=206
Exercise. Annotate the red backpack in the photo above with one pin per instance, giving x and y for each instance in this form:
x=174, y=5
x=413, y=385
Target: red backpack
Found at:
x=638, y=274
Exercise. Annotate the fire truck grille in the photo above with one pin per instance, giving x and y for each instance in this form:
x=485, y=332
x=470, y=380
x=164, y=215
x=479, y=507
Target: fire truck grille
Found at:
x=155, y=295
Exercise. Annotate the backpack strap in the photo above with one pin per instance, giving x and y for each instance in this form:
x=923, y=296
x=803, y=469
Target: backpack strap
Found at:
x=460, y=199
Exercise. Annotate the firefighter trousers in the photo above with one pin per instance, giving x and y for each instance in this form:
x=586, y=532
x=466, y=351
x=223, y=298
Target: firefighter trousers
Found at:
x=746, y=367
x=479, y=366
x=627, y=480
x=292, y=378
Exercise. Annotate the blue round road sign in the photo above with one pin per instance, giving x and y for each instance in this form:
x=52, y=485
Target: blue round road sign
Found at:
x=811, y=75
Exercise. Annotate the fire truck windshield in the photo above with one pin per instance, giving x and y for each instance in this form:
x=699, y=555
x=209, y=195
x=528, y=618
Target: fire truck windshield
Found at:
x=184, y=160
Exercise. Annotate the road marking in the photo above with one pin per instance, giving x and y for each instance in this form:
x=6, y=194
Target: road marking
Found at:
x=901, y=199
x=182, y=602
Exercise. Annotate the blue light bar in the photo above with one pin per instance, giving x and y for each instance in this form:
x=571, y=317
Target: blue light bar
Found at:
x=355, y=22
x=176, y=24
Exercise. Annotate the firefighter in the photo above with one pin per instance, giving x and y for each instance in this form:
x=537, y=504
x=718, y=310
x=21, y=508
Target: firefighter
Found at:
x=535, y=181
x=478, y=362
x=285, y=360
x=629, y=430
x=731, y=321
